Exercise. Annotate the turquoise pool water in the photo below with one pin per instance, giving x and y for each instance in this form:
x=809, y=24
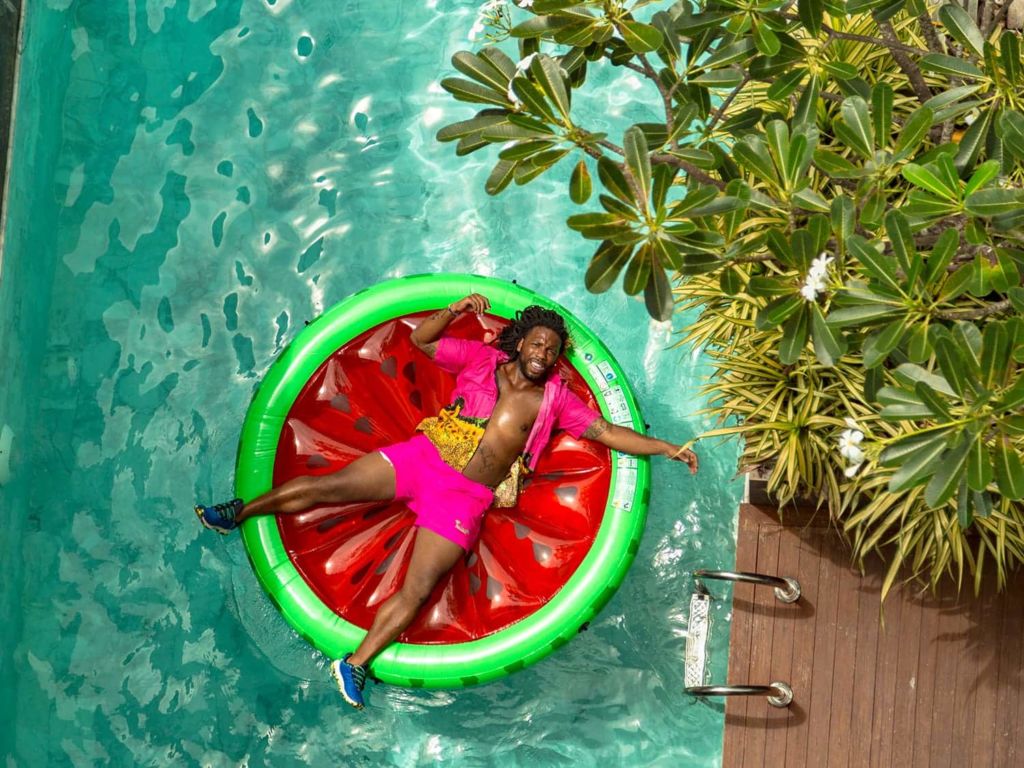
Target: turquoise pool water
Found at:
x=191, y=182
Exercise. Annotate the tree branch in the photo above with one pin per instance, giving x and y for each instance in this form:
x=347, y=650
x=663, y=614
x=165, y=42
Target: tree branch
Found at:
x=975, y=314
x=924, y=21
x=921, y=89
x=691, y=170
x=718, y=113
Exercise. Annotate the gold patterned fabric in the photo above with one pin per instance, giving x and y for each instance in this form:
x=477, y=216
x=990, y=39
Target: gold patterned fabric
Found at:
x=456, y=439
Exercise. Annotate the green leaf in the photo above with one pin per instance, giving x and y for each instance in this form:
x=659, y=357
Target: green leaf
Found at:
x=914, y=130
x=638, y=160
x=962, y=27
x=836, y=165
x=840, y=70
x=810, y=200
x=855, y=128
x=474, y=125
x=548, y=75
x=936, y=404
x=605, y=266
x=597, y=226
x=500, y=177
x=994, y=361
x=949, y=472
x=786, y=84
x=993, y=202
x=474, y=93
x=942, y=254
x=730, y=281
x=877, y=265
x=794, y=336
x=924, y=177
x=638, y=272
x=1011, y=124
x=909, y=374
x=972, y=142
x=916, y=466
x=879, y=344
x=524, y=149
x=949, y=65
x=951, y=361
x=881, y=112
x=641, y=38
x=766, y=41
x=763, y=287
x=898, y=229
x=873, y=208
x=777, y=311
x=580, y=185
x=695, y=200
x=829, y=345
x=979, y=465
x=1009, y=51
x=811, y=12
x=728, y=77
x=533, y=98
x=861, y=314
x=806, y=113
x=982, y=175
x=909, y=445
x=658, y=296
x=927, y=206
x=480, y=70
x=843, y=217
x=1009, y=471
x=614, y=180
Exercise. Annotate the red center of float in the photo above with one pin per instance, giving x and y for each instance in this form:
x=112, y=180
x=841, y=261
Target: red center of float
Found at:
x=372, y=392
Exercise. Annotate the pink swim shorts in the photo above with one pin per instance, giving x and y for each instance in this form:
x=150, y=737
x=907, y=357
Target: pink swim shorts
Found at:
x=445, y=501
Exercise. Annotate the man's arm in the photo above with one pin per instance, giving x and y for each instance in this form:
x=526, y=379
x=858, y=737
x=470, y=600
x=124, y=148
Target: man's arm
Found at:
x=626, y=440
x=429, y=331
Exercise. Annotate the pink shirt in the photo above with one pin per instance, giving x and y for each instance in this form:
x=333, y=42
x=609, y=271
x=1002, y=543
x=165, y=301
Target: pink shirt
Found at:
x=475, y=367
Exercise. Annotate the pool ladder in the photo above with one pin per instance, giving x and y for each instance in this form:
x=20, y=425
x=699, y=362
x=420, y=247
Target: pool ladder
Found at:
x=786, y=590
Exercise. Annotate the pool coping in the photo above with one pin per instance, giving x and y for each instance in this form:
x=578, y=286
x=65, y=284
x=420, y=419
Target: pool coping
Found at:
x=11, y=45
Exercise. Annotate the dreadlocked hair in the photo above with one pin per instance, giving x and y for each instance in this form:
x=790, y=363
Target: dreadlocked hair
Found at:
x=531, y=317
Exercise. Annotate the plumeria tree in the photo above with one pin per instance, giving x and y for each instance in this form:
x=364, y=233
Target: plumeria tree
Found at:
x=836, y=186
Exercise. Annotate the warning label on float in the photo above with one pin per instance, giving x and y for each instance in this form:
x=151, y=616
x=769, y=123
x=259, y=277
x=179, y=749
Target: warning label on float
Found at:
x=625, y=487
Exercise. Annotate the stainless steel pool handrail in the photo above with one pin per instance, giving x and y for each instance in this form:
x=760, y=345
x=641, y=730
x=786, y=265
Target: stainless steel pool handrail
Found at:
x=786, y=590
x=779, y=694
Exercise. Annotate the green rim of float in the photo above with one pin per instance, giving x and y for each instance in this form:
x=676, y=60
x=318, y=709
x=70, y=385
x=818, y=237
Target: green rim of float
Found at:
x=523, y=643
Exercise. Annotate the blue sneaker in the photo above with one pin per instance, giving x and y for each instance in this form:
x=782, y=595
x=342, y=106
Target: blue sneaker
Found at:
x=350, y=679
x=220, y=517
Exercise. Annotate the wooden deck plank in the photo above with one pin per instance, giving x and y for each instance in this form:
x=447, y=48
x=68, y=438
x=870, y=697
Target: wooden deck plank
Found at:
x=809, y=546
x=928, y=659
x=759, y=712
x=908, y=664
x=884, y=705
x=991, y=611
x=823, y=662
x=846, y=661
x=863, y=691
x=963, y=644
x=740, y=639
x=788, y=616
x=1007, y=742
x=944, y=706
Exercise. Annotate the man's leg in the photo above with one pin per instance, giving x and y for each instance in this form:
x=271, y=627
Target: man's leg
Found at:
x=368, y=478
x=432, y=557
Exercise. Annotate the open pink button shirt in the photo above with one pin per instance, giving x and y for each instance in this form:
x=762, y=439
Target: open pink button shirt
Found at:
x=474, y=364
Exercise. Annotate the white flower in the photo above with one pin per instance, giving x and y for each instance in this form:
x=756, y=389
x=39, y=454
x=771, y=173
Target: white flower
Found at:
x=816, y=276
x=849, y=448
x=524, y=3
x=476, y=29
x=970, y=117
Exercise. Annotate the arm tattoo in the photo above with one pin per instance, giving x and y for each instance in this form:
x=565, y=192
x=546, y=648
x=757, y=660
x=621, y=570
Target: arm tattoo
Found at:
x=597, y=428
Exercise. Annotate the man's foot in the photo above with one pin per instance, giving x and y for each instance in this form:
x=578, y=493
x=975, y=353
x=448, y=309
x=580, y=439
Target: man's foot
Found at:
x=220, y=517
x=350, y=679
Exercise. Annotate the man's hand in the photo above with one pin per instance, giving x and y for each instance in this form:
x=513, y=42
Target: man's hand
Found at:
x=475, y=302
x=685, y=455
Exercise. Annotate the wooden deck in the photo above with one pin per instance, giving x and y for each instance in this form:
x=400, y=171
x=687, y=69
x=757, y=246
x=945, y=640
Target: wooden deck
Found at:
x=933, y=681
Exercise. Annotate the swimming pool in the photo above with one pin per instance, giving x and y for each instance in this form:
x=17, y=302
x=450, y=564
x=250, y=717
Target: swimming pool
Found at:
x=191, y=182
